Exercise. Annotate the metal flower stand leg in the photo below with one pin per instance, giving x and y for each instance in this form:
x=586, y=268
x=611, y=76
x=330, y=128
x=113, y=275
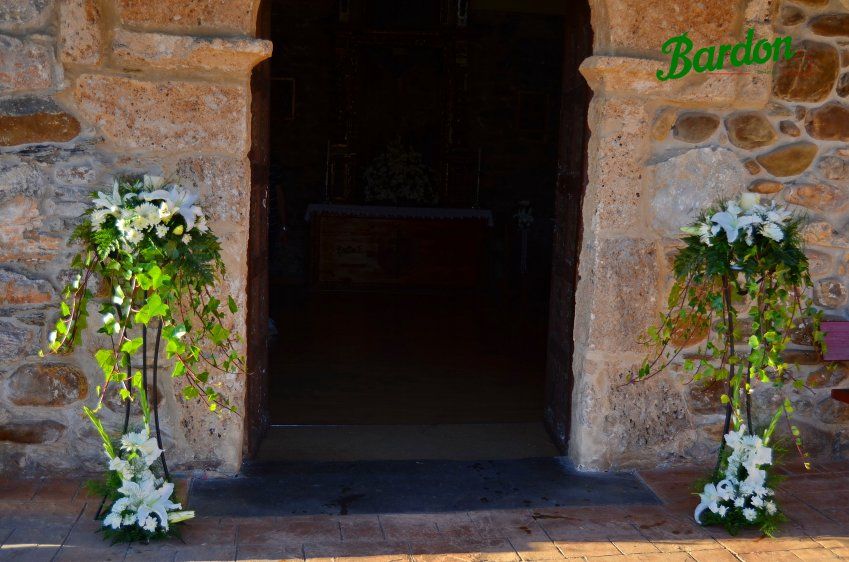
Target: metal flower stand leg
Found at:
x=154, y=396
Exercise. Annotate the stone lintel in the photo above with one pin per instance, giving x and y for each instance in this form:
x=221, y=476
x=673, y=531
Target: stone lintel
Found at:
x=236, y=55
x=631, y=76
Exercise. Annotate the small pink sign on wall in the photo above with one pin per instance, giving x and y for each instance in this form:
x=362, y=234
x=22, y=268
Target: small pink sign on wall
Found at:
x=836, y=341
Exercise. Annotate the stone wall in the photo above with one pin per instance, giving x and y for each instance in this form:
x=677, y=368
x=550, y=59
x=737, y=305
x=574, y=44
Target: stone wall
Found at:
x=659, y=153
x=90, y=89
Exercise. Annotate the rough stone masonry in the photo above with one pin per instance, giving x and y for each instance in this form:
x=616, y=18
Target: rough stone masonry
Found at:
x=94, y=88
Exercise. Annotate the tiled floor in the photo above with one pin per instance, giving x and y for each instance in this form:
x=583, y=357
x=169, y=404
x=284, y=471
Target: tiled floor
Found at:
x=52, y=520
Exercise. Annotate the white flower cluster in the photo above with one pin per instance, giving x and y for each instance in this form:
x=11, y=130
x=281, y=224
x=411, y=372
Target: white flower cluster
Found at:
x=149, y=211
x=146, y=499
x=744, y=487
x=746, y=217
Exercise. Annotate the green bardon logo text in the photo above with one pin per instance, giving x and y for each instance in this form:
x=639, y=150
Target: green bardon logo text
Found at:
x=707, y=59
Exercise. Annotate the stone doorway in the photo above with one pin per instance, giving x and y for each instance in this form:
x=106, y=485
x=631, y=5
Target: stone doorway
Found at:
x=381, y=338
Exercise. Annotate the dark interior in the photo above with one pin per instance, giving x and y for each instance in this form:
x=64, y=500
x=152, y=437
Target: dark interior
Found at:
x=414, y=152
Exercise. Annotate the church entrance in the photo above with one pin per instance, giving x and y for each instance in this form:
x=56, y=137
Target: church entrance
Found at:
x=425, y=172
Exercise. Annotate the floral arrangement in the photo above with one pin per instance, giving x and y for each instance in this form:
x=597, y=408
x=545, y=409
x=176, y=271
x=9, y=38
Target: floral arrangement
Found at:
x=143, y=502
x=155, y=262
x=399, y=176
x=744, y=495
x=741, y=257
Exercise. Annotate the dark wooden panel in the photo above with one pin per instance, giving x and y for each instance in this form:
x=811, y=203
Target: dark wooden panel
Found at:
x=256, y=393
x=571, y=184
x=350, y=252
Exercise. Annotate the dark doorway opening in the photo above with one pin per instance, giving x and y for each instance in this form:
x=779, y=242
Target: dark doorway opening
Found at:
x=426, y=171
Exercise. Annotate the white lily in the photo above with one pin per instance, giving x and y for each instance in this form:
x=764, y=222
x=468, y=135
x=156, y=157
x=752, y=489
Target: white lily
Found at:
x=731, y=221
x=114, y=201
x=772, y=231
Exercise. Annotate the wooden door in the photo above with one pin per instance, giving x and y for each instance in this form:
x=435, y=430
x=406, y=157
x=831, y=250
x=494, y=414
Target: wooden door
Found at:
x=256, y=395
x=571, y=181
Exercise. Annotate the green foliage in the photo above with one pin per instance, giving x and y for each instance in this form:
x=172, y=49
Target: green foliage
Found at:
x=159, y=273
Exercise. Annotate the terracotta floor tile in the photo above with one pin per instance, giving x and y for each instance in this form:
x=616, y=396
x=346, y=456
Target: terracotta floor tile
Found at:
x=721, y=555
x=59, y=489
x=288, y=530
x=633, y=545
x=267, y=553
x=506, y=523
x=89, y=554
x=471, y=550
x=360, y=528
x=741, y=545
x=816, y=555
x=18, y=490
x=154, y=551
x=389, y=551
x=457, y=526
x=29, y=553
x=657, y=557
x=208, y=531
x=774, y=556
x=217, y=553
x=587, y=547
x=404, y=527
x=537, y=547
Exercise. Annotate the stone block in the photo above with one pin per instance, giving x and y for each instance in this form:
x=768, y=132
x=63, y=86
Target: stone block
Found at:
x=47, y=384
x=16, y=341
x=30, y=120
x=20, y=289
x=819, y=263
x=830, y=293
x=789, y=160
x=80, y=33
x=819, y=197
x=21, y=176
x=688, y=183
x=625, y=294
x=766, y=187
x=695, y=127
x=165, y=116
x=224, y=185
x=832, y=411
x=663, y=123
x=809, y=76
x=752, y=167
x=24, y=15
x=828, y=376
x=789, y=128
x=750, y=130
x=21, y=238
x=25, y=65
x=829, y=122
x=31, y=433
x=831, y=25
x=216, y=16
x=178, y=52
x=791, y=15
x=634, y=26
x=821, y=233
x=620, y=123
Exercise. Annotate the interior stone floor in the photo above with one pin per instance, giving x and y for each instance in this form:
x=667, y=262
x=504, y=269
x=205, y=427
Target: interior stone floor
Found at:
x=352, y=358
x=51, y=519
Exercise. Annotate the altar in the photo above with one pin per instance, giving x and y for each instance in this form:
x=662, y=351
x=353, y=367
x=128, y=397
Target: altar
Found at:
x=380, y=247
